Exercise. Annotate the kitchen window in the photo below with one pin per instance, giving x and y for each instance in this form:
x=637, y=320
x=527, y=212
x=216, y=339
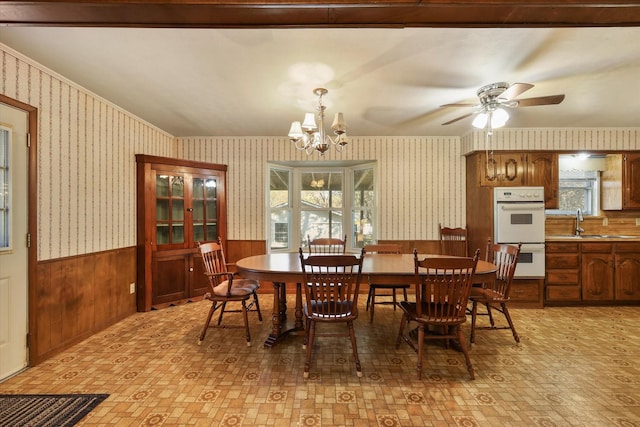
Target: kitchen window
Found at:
x=578, y=185
x=322, y=201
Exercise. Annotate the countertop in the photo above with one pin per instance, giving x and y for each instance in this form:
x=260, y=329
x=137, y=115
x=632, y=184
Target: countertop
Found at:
x=592, y=238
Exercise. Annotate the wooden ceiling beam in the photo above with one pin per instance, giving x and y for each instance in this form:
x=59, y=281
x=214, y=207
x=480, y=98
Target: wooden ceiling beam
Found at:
x=338, y=14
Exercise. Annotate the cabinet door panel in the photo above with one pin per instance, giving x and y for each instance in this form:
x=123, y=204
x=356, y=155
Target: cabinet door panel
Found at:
x=501, y=169
x=597, y=277
x=632, y=181
x=542, y=170
x=199, y=281
x=169, y=278
x=628, y=277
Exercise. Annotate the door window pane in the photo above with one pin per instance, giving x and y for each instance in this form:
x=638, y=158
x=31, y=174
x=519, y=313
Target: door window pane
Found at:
x=5, y=192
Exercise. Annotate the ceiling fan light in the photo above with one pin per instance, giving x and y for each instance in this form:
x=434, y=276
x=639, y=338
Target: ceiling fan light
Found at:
x=480, y=121
x=499, y=118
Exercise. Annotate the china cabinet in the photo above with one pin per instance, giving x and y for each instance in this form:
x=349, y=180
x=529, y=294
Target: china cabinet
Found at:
x=179, y=203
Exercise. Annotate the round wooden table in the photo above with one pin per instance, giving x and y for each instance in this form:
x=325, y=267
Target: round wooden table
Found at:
x=283, y=268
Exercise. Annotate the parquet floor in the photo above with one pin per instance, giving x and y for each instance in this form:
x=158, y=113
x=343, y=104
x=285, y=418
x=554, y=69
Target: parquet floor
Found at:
x=573, y=367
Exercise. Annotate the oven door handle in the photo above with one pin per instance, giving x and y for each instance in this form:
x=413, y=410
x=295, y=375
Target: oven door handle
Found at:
x=522, y=208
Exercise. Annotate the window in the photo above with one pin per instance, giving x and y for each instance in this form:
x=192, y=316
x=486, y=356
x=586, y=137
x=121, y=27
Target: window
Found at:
x=5, y=190
x=578, y=185
x=322, y=202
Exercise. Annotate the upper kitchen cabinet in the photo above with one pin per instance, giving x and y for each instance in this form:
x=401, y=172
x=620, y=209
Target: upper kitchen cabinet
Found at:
x=621, y=182
x=501, y=169
x=542, y=170
x=515, y=169
x=179, y=204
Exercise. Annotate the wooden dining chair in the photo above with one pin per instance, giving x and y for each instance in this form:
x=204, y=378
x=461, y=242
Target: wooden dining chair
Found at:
x=389, y=290
x=453, y=241
x=326, y=245
x=495, y=294
x=225, y=287
x=442, y=292
x=331, y=284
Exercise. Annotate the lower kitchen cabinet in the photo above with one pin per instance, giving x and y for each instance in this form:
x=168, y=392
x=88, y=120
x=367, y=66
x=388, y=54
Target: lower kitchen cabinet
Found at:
x=527, y=293
x=592, y=272
x=562, y=272
x=627, y=272
x=597, y=272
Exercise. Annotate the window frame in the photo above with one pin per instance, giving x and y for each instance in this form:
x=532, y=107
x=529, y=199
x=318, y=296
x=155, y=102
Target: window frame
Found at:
x=294, y=208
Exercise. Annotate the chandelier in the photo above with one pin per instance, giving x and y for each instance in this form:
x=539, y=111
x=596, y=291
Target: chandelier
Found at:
x=310, y=137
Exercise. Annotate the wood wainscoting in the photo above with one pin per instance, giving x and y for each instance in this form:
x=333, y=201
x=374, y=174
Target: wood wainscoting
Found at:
x=75, y=297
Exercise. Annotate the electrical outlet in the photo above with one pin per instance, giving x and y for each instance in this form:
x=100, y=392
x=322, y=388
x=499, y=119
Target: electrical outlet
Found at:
x=132, y=288
x=638, y=221
x=605, y=221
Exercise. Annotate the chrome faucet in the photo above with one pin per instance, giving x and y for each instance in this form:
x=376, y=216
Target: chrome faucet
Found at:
x=579, y=219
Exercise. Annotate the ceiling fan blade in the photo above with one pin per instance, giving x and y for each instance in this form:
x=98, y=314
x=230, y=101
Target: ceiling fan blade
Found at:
x=460, y=104
x=541, y=100
x=514, y=90
x=458, y=118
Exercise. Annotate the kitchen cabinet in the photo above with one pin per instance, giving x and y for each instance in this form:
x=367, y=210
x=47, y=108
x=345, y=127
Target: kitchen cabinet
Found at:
x=542, y=170
x=631, y=181
x=611, y=271
x=179, y=204
x=562, y=272
x=627, y=272
x=501, y=169
x=597, y=272
x=621, y=182
x=514, y=169
x=527, y=293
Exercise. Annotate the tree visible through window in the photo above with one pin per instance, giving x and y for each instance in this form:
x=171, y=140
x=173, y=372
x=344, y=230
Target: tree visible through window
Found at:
x=321, y=202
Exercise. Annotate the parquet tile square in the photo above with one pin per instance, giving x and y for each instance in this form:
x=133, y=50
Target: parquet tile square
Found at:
x=574, y=367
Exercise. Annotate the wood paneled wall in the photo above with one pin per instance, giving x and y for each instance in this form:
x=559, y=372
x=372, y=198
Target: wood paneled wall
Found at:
x=79, y=296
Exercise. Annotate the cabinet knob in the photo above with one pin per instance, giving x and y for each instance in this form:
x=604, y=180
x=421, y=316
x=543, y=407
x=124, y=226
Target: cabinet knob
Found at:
x=189, y=209
x=191, y=269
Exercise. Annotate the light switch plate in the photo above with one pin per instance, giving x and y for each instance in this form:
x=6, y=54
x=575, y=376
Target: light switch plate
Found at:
x=605, y=221
x=638, y=221
x=132, y=288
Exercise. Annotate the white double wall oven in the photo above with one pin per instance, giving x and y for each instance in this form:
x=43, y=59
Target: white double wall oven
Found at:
x=519, y=217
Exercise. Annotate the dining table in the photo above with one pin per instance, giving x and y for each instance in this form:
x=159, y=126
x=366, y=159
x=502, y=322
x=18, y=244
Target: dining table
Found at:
x=284, y=268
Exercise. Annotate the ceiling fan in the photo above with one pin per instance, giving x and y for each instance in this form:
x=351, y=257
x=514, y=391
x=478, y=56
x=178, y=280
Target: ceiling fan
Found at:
x=495, y=97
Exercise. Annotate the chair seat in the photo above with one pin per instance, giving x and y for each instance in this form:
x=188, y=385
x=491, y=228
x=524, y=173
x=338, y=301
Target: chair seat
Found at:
x=239, y=288
x=411, y=310
x=487, y=294
x=342, y=310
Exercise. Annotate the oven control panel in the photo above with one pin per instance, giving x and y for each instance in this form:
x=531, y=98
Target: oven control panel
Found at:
x=518, y=194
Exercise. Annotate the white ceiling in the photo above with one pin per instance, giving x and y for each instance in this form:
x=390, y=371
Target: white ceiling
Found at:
x=387, y=82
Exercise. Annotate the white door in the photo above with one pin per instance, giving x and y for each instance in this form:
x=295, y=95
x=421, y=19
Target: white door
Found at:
x=13, y=249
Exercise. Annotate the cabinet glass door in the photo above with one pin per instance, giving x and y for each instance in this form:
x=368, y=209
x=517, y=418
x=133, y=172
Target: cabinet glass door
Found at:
x=169, y=209
x=205, y=209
